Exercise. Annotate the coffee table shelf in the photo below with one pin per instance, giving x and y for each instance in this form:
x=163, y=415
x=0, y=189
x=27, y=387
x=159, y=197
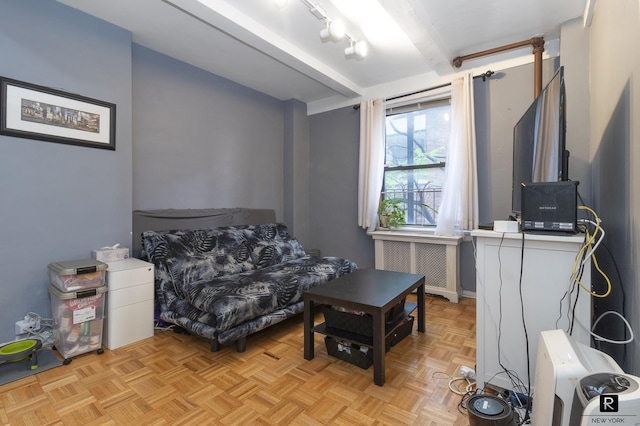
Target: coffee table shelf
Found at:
x=360, y=339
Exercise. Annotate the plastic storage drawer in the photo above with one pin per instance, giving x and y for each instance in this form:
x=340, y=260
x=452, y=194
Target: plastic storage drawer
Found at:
x=77, y=320
x=72, y=275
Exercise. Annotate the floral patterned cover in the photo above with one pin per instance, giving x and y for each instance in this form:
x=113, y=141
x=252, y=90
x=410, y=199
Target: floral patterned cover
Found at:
x=228, y=282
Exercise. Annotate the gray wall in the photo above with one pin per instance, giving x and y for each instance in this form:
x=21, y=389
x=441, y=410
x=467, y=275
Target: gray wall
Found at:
x=296, y=170
x=202, y=141
x=574, y=56
x=198, y=141
x=333, y=184
x=499, y=102
x=60, y=201
x=614, y=71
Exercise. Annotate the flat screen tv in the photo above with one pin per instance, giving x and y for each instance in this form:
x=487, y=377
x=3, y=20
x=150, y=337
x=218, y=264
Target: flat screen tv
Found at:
x=539, y=147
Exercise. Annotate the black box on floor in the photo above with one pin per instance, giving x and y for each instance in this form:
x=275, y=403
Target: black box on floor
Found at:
x=402, y=331
x=359, y=324
x=362, y=356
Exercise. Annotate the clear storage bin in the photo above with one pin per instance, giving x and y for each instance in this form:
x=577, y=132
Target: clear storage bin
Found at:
x=72, y=275
x=77, y=320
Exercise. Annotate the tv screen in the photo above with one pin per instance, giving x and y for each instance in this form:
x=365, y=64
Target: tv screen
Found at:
x=539, y=147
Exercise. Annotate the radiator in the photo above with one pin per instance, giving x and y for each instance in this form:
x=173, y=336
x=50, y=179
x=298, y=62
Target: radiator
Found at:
x=435, y=257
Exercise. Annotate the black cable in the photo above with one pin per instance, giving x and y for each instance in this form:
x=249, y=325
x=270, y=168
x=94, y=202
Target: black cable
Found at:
x=500, y=302
x=570, y=311
x=462, y=405
x=513, y=377
x=597, y=342
x=575, y=278
x=524, y=325
x=575, y=305
x=621, y=286
x=578, y=278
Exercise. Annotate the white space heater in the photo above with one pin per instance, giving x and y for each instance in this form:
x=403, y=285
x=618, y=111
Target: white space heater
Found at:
x=564, y=365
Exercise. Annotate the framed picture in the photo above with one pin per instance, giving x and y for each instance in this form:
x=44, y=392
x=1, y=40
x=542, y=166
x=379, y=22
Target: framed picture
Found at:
x=37, y=112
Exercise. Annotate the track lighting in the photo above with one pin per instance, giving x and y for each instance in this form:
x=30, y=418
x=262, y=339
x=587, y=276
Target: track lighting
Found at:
x=357, y=50
x=334, y=32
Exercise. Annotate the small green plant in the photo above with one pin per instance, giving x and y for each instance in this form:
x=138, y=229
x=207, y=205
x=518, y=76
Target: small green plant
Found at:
x=390, y=213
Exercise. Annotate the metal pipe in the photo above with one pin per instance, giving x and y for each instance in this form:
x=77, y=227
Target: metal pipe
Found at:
x=538, y=47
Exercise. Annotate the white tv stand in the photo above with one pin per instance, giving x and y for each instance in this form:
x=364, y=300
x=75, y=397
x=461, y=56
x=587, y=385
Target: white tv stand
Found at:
x=546, y=275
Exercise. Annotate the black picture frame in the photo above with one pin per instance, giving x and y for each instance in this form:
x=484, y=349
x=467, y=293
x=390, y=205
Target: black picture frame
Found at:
x=37, y=112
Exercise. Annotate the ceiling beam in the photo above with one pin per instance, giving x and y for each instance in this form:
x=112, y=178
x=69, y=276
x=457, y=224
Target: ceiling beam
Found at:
x=221, y=16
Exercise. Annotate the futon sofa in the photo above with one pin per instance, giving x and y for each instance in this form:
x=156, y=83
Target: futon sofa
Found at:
x=226, y=283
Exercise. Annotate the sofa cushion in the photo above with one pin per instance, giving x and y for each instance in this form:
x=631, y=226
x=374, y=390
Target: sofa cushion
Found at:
x=270, y=253
x=232, y=300
x=189, y=256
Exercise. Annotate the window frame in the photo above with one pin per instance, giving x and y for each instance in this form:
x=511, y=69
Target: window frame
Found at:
x=434, y=98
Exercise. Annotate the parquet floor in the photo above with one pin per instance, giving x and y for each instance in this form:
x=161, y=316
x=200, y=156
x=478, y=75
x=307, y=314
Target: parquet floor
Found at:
x=173, y=379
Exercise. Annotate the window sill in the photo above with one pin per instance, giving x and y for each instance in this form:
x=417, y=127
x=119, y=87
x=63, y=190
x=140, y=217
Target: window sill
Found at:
x=415, y=234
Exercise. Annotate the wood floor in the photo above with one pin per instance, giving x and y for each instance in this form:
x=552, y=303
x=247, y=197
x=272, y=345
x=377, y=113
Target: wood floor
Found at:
x=173, y=379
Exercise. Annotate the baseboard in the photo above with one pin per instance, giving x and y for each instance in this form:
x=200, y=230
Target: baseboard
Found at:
x=469, y=294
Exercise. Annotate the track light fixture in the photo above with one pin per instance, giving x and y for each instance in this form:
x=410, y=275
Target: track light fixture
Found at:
x=356, y=49
x=335, y=31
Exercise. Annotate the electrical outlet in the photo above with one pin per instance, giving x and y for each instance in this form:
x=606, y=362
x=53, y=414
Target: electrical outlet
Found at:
x=26, y=325
x=467, y=372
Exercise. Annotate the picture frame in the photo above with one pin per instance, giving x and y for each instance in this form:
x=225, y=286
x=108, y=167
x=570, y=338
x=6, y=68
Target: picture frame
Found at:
x=41, y=113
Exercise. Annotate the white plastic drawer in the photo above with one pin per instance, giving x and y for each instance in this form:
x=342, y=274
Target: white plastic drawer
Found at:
x=127, y=273
x=129, y=296
x=128, y=324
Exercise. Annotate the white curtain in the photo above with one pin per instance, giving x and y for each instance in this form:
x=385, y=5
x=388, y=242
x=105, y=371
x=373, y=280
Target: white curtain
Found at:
x=371, y=168
x=459, y=208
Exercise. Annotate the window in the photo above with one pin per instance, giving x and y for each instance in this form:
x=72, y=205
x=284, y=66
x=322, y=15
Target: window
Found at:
x=416, y=142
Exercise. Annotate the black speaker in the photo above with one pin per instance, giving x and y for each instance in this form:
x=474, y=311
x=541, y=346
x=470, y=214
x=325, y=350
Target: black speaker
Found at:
x=550, y=207
x=489, y=410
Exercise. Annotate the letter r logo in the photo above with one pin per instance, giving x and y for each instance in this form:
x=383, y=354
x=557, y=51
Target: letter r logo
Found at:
x=608, y=403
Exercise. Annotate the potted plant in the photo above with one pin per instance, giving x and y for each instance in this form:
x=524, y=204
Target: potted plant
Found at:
x=390, y=213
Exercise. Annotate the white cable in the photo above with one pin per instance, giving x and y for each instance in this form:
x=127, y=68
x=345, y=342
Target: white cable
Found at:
x=596, y=336
x=593, y=249
x=44, y=333
x=604, y=339
x=452, y=380
x=468, y=388
x=614, y=341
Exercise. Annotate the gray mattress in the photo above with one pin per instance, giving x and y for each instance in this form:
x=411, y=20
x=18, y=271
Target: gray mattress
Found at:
x=178, y=219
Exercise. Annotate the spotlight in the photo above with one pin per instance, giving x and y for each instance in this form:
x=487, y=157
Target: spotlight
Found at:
x=356, y=50
x=280, y=3
x=334, y=32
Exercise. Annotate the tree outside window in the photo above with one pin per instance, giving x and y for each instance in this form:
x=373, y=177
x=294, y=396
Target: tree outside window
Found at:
x=416, y=143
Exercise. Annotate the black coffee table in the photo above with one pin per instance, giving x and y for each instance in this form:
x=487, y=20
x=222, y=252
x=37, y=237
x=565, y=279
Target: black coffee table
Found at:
x=368, y=290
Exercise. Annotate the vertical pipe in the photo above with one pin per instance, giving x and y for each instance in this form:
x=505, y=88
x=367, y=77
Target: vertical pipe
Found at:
x=538, y=48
